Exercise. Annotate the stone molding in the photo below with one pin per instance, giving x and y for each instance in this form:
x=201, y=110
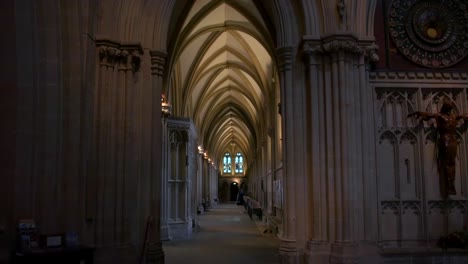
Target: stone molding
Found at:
x=319, y=245
x=158, y=62
x=126, y=55
x=285, y=58
x=312, y=48
x=370, y=52
x=348, y=46
x=407, y=76
x=445, y=207
x=341, y=8
x=288, y=246
x=344, y=252
x=434, y=206
x=341, y=43
x=181, y=123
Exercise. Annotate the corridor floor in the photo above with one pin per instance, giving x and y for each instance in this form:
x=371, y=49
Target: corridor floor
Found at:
x=225, y=235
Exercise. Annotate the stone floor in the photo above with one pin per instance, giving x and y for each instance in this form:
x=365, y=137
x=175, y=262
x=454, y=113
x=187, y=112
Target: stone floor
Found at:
x=225, y=235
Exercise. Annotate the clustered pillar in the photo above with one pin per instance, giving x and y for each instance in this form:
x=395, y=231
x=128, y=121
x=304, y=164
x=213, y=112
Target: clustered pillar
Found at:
x=341, y=212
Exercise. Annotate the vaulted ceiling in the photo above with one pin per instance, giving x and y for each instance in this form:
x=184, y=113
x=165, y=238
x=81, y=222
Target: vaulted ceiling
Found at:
x=221, y=75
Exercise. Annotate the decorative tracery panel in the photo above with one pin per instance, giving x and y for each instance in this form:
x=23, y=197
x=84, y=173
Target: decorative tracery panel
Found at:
x=409, y=192
x=394, y=106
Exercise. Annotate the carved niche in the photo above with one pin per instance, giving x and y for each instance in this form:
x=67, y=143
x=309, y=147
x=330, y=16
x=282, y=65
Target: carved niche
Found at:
x=431, y=33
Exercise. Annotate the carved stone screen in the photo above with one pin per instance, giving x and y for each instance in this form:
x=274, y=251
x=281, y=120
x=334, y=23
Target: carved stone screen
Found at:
x=412, y=211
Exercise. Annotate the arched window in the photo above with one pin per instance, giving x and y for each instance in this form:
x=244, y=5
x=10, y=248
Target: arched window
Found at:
x=239, y=163
x=227, y=163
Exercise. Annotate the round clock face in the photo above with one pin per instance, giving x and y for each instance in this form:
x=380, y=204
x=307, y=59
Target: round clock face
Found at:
x=432, y=33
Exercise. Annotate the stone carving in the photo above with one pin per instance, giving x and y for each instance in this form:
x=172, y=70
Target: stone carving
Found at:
x=108, y=55
x=343, y=45
x=458, y=205
x=390, y=207
x=123, y=58
x=430, y=33
x=427, y=76
x=448, y=206
x=158, y=62
x=341, y=7
x=408, y=136
x=312, y=48
x=394, y=105
x=102, y=53
x=388, y=136
x=397, y=207
x=127, y=56
x=285, y=58
x=414, y=206
x=439, y=206
x=446, y=144
x=371, y=53
x=136, y=60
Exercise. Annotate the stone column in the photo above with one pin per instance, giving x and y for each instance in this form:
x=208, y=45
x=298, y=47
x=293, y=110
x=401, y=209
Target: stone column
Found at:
x=111, y=182
x=288, y=246
x=205, y=180
x=214, y=185
x=339, y=143
x=165, y=114
x=192, y=153
x=368, y=126
x=200, y=179
x=105, y=140
x=130, y=60
x=154, y=252
x=317, y=247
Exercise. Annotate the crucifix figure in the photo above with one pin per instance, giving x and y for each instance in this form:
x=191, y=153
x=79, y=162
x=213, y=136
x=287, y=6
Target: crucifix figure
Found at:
x=446, y=143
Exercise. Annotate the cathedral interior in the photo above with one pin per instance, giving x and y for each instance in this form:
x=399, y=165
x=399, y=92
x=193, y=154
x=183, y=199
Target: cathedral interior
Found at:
x=126, y=121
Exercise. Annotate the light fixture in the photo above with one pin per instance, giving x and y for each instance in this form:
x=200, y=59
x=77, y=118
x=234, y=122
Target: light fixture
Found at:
x=166, y=109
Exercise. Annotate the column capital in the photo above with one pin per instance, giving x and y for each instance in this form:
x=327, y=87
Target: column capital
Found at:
x=311, y=50
x=135, y=52
x=312, y=47
x=347, y=46
x=108, y=51
x=370, y=52
x=128, y=55
x=158, y=62
x=108, y=55
x=285, y=58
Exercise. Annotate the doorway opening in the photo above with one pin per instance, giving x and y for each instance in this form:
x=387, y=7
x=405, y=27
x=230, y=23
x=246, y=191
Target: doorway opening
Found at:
x=234, y=191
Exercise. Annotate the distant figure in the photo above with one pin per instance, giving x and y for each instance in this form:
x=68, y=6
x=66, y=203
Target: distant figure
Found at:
x=446, y=143
x=240, y=197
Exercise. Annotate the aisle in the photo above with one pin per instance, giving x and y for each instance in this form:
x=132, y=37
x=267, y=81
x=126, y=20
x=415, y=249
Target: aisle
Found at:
x=226, y=235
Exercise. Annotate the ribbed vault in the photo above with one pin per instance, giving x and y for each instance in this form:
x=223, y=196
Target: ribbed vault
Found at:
x=221, y=75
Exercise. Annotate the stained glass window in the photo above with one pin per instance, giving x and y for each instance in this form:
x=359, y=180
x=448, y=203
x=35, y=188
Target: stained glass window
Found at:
x=227, y=163
x=239, y=163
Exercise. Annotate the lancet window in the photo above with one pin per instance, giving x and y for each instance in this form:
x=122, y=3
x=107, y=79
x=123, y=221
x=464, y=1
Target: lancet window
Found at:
x=239, y=163
x=227, y=163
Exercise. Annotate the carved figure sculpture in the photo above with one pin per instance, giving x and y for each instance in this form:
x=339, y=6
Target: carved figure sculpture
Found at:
x=446, y=143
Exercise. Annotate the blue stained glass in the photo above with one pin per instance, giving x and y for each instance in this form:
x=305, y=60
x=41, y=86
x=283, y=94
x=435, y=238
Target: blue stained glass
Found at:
x=227, y=163
x=239, y=163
